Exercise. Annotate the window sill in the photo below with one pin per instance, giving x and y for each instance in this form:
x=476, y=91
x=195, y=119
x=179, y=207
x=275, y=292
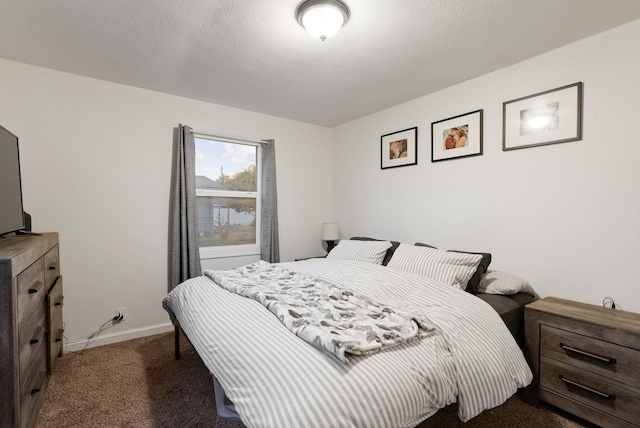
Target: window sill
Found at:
x=230, y=251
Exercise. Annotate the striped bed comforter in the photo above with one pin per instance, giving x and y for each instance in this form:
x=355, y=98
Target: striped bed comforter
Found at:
x=331, y=318
x=275, y=379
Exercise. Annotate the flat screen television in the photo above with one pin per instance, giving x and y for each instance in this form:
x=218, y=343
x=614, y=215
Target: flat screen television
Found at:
x=11, y=210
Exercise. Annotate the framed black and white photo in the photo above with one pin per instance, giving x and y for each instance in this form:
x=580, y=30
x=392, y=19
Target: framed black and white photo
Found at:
x=399, y=148
x=457, y=137
x=549, y=117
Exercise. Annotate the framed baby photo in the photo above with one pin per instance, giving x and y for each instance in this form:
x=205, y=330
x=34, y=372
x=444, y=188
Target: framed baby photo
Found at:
x=457, y=137
x=399, y=148
x=549, y=117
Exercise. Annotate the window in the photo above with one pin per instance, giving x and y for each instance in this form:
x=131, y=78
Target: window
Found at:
x=227, y=197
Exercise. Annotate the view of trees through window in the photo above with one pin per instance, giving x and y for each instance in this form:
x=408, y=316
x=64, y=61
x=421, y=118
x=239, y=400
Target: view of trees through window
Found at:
x=226, y=193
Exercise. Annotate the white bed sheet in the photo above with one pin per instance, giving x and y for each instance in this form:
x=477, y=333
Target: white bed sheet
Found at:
x=275, y=379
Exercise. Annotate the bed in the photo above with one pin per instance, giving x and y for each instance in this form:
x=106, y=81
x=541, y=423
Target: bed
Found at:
x=267, y=375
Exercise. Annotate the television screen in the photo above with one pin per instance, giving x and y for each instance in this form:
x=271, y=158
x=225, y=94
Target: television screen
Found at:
x=11, y=216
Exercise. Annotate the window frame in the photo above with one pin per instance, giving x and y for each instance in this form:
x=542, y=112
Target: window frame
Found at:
x=224, y=251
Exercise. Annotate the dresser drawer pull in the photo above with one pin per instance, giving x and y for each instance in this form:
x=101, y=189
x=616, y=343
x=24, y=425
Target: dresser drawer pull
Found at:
x=588, y=354
x=586, y=388
x=59, y=301
x=36, y=287
x=36, y=337
x=36, y=389
x=53, y=266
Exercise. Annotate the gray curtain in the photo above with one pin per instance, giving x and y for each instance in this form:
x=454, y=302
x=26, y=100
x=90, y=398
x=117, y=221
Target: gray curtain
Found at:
x=269, y=238
x=184, y=256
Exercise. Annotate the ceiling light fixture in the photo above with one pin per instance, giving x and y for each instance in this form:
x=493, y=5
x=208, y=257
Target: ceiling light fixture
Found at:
x=322, y=18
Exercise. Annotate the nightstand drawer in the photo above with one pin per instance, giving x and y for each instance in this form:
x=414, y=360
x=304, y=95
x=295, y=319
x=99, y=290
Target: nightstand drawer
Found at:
x=596, y=391
x=604, y=358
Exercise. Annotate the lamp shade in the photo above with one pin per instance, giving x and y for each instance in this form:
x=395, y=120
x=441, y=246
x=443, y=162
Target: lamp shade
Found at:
x=330, y=232
x=322, y=18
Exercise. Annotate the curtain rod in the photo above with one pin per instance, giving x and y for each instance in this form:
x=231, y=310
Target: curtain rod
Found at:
x=226, y=137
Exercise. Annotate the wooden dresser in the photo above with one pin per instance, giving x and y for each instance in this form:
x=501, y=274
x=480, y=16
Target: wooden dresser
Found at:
x=585, y=360
x=31, y=328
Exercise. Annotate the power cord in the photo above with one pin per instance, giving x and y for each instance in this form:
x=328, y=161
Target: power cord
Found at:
x=608, y=302
x=91, y=337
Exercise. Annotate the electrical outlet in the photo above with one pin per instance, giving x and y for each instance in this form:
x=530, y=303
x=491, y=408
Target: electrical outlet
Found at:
x=120, y=313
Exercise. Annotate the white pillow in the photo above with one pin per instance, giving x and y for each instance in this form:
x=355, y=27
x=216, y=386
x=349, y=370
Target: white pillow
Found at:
x=496, y=282
x=451, y=268
x=360, y=251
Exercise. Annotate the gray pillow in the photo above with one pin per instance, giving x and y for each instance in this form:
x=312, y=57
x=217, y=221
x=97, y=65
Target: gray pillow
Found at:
x=359, y=251
x=449, y=267
x=387, y=257
x=474, y=282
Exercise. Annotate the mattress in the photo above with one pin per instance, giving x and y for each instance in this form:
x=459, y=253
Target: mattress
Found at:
x=511, y=311
x=275, y=379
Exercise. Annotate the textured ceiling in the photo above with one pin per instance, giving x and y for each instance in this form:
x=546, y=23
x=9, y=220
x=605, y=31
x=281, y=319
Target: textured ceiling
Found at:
x=253, y=54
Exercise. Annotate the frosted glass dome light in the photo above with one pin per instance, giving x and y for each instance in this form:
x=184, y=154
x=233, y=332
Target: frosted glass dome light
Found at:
x=322, y=18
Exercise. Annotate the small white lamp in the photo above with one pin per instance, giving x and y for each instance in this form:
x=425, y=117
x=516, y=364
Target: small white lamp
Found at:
x=330, y=233
x=322, y=18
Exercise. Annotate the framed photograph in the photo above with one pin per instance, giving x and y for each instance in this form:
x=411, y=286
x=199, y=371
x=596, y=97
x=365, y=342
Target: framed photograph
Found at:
x=457, y=137
x=399, y=148
x=550, y=117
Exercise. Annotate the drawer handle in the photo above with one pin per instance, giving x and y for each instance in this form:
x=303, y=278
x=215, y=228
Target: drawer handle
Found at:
x=36, y=389
x=59, y=301
x=53, y=266
x=36, y=287
x=588, y=354
x=36, y=338
x=586, y=388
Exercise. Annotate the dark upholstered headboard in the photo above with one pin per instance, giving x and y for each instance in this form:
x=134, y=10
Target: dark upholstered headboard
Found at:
x=473, y=283
x=510, y=308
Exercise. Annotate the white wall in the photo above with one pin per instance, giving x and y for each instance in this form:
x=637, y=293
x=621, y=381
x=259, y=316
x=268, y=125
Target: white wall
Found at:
x=96, y=167
x=566, y=216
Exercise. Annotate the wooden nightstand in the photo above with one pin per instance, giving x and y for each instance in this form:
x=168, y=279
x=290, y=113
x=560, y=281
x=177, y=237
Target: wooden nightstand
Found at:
x=585, y=360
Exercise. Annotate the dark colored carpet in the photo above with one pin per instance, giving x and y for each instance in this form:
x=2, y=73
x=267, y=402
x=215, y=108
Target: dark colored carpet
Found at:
x=139, y=384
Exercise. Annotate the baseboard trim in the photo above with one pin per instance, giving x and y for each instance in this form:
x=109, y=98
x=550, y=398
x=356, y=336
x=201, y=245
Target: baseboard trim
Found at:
x=118, y=337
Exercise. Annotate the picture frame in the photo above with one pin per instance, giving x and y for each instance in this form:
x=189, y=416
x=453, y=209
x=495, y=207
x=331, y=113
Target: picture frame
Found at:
x=549, y=117
x=457, y=137
x=399, y=148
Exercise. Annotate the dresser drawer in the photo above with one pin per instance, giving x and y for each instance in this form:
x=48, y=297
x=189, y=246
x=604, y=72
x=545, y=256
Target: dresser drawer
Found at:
x=55, y=302
x=55, y=349
x=32, y=341
x=32, y=392
x=51, y=266
x=31, y=291
x=598, y=392
x=607, y=359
